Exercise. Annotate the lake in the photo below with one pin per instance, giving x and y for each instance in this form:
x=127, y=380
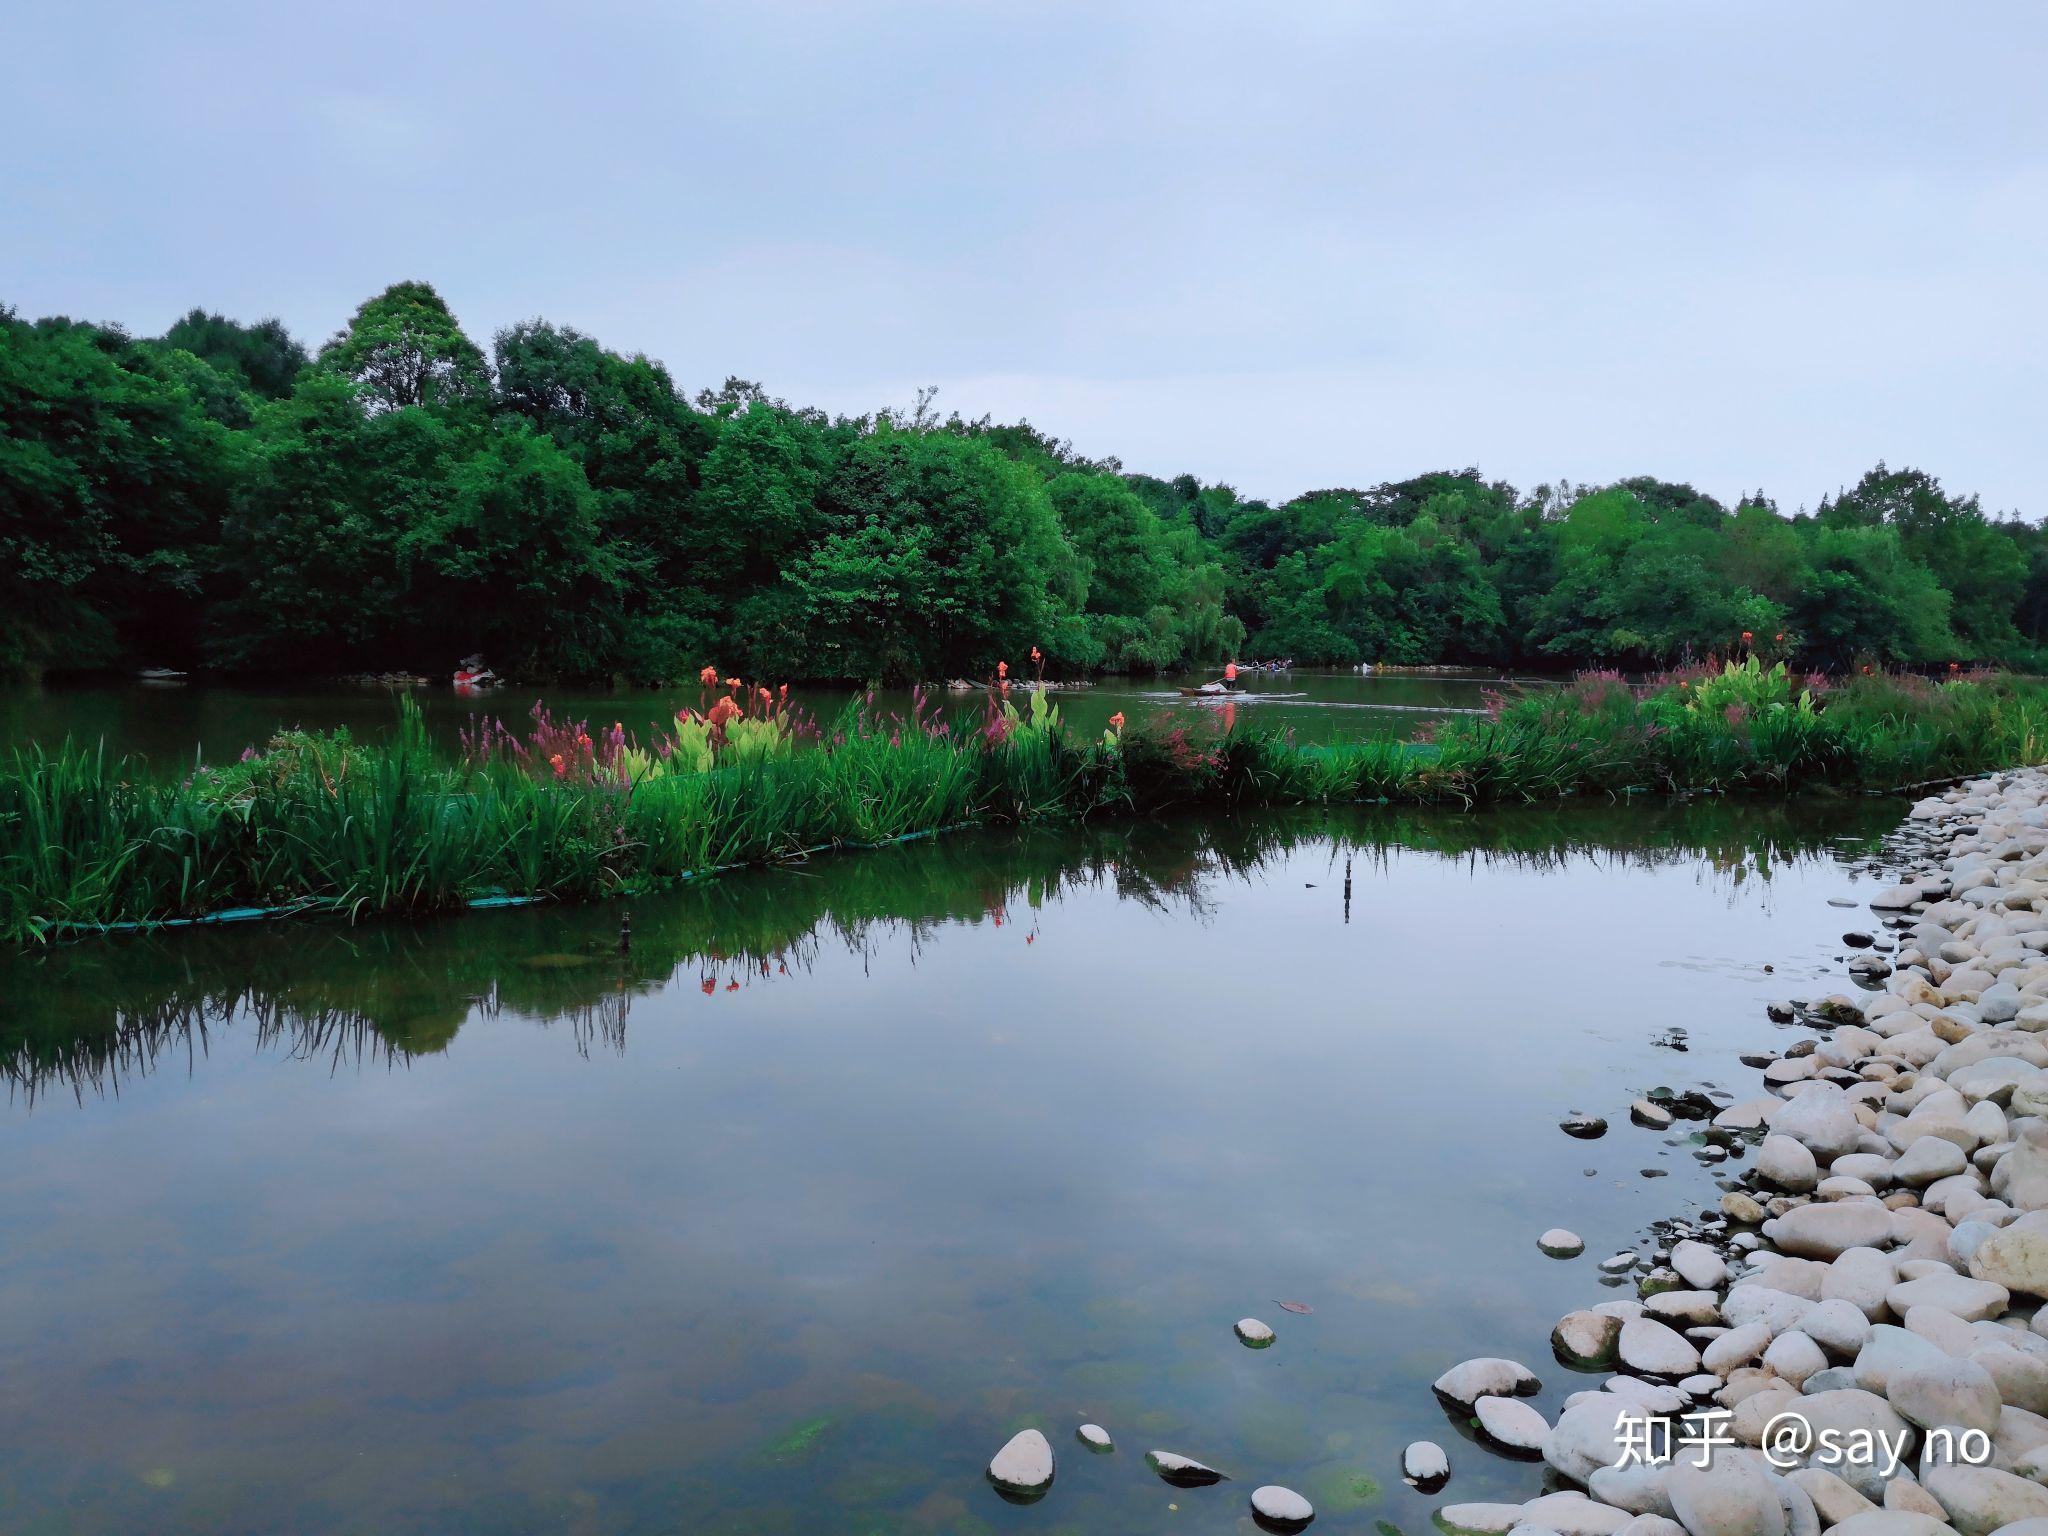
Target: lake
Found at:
x=785, y=1218
x=171, y=723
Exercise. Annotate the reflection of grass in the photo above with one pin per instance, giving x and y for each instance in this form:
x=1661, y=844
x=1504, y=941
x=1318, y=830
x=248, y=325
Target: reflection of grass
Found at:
x=88, y=1014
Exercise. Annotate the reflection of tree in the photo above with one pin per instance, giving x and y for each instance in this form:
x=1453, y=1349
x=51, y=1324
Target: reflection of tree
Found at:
x=88, y=1017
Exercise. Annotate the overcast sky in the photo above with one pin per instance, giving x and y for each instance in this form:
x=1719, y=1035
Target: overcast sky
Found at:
x=1287, y=247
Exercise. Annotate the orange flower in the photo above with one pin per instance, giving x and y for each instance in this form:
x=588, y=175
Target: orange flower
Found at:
x=721, y=712
x=1034, y=654
x=1745, y=637
x=1116, y=721
x=708, y=677
x=732, y=682
x=1002, y=669
x=765, y=694
x=561, y=769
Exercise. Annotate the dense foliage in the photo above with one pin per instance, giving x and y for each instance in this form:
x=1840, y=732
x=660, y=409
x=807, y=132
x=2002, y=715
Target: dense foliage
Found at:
x=317, y=822
x=217, y=496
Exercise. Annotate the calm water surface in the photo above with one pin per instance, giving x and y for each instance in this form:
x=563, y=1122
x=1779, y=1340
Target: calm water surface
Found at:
x=785, y=1220
x=172, y=723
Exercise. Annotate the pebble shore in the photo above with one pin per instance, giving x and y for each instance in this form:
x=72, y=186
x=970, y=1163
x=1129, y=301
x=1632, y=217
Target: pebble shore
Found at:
x=1861, y=1321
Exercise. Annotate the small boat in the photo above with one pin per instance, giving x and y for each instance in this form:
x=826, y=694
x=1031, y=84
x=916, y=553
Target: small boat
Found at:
x=1211, y=691
x=472, y=675
x=161, y=675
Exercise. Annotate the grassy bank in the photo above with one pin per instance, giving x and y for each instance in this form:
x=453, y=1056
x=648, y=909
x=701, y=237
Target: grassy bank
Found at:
x=317, y=822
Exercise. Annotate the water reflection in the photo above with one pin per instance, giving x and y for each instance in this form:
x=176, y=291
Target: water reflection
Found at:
x=91, y=1016
x=327, y=1230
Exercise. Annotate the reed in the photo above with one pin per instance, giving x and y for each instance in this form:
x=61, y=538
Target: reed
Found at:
x=318, y=822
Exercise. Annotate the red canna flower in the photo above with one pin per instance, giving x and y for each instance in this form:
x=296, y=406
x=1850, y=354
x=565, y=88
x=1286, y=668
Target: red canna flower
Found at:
x=1034, y=654
x=1116, y=721
x=732, y=682
x=561, y=768
x=1002, y=669
x=708, y=677
x=1746, y=637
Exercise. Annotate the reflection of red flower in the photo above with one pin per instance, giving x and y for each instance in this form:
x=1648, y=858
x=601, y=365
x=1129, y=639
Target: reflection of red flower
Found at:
x=732, y=986
x=710, y=985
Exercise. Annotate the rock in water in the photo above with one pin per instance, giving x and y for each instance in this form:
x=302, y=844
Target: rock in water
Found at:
x=1653, y=1349
x=1585, y=1127
x=1253, y=1334
x=1281, y=1509
x=1095, y=1437
x=1511, y=1424
x=1560, y=1244
x=1586, y=1338
x=1486, y=1376
x=1022, y=1469
x=1182, y=1471
x=1425, y=1465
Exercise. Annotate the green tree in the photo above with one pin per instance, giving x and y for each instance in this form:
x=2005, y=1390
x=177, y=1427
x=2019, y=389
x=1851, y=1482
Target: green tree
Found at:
x=404, y=348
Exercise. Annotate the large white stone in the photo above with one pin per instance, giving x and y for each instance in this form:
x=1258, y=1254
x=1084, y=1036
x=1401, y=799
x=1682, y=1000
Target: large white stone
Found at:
x=1736, y=1347
x=1980, y=1500
x=1586, y=1337
x=1698, y=1265
x=2016, y=1258
x=1777, y=1310
x=1822, y=1119
x=1826, y=1231
x=1425, y=1462
x=1954, y=1392
x=1590, y=1434
x=1573, y=1514
x=1730, y=1496
x=1786, y=1163
x=1282, y=1507
x=1838, y=1326
x=1024, y=1464
x=1479, y=1519
x=1485, y=1376
x=1511, y=1422
x=1968, y=1299
x=1656, y=1349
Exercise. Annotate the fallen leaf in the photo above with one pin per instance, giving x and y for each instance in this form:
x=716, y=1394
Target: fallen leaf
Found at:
x=1294, y=1306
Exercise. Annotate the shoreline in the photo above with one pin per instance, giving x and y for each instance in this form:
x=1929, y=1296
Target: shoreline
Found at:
x=1874, y=1276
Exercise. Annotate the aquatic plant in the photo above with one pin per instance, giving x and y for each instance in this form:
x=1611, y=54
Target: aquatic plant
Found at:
x=318, y=822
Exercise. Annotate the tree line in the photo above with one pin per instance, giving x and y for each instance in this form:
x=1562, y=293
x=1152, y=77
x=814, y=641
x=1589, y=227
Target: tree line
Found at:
x=219, y=496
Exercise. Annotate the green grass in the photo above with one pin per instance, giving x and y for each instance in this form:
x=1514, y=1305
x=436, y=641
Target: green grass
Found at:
x=320, y=823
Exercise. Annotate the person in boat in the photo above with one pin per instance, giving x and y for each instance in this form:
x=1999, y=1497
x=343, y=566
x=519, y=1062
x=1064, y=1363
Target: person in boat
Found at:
x=1228, y=684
